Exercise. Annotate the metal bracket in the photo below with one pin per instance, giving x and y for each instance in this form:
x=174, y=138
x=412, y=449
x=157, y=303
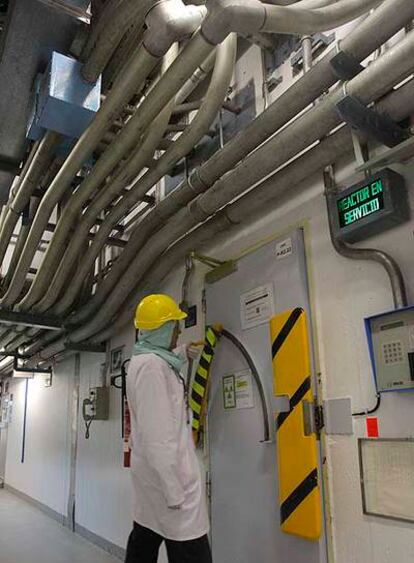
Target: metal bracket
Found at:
x=30, y=370
x=319, y=42
x=31, y=320
x=345, y=66
x=313, y=419
x=376, y=125
x=220, y=269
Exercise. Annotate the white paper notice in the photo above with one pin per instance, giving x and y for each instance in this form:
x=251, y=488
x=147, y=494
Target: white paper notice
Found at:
x=244, y=390
x=257, y=306
x=284, y=249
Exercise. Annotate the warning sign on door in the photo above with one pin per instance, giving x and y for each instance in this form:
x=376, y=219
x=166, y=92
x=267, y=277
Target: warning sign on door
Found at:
x=229, y=392
x=257, y=306
x=238, y=391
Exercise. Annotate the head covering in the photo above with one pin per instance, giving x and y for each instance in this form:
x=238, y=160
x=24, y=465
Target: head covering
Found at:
x=158, y=342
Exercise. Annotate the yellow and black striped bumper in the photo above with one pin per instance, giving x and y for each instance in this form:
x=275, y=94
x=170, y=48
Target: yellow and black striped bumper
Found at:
x=199, y=386
x=300, y=508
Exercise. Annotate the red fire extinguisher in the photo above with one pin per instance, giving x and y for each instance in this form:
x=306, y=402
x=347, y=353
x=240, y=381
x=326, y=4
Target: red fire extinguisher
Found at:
x=125, y=413
x=127, y=433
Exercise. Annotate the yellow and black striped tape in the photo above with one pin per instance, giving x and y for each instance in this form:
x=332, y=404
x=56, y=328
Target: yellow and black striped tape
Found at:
x=300, y=508
x=199, y=386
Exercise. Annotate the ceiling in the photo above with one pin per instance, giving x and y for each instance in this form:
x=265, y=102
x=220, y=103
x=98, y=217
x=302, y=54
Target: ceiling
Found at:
x=32, y=30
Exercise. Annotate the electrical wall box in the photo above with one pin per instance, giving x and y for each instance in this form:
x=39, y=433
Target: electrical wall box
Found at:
x=391, y=346
x=96, y=406
x=65, y=102
x=370, y=207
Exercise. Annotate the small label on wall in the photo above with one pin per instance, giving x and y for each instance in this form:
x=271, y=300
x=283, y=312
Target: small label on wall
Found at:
x=372, y=427
x=238, y=391
x=284, y=249
x=257, y=306
x=229, y=392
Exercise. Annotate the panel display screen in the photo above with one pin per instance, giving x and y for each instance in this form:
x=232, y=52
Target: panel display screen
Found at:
x=362, y=202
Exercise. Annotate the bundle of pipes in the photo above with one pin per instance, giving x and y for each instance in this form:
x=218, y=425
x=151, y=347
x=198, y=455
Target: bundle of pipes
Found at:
x=223, y=17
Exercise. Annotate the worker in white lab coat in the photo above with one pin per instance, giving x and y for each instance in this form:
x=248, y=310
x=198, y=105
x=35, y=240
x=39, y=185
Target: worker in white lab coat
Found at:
x=169, y=503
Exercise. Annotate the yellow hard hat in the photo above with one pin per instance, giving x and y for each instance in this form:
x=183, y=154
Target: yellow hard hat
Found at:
x=156, y=310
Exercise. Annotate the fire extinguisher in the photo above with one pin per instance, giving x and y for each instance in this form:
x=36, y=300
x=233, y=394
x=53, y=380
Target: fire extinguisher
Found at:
x=125, y=414
x=127, y=433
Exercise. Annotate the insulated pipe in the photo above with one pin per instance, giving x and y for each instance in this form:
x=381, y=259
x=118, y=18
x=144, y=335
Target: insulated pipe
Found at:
x=223, y=14
x=251, y=206
x=373, y=82
x=375, y=30
x=27, y=185
x=192, y=55
x=126, y=174
x=126, y=86
x=216, y=93
x=251, y=16
x=130, y=42
x=73, y=214
x=398, y=105
x=98, y=55
x=168, y=21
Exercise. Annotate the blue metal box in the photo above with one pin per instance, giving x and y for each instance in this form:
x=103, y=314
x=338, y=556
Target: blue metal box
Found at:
x=66, y=103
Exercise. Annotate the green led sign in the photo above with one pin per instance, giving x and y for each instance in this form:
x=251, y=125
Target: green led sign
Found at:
x=361, y=203
x=370, y=207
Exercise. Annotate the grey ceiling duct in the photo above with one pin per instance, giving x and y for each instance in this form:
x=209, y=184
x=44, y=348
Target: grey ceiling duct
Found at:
x=32, y=30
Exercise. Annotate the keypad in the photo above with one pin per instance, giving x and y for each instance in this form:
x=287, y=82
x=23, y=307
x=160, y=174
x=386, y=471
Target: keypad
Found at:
x=393, y=352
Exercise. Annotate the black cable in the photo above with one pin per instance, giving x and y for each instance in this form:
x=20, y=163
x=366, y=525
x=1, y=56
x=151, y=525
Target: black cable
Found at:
x=371, y=411
x=257, y=379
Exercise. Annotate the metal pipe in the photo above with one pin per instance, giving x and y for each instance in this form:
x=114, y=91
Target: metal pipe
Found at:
x=375, y=30
x=370, y=84
x=307, y=53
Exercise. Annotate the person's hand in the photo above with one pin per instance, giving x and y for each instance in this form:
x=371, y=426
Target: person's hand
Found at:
x=194, y=349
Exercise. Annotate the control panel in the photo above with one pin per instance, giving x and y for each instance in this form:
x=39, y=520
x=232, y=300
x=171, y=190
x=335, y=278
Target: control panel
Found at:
x=391, y=344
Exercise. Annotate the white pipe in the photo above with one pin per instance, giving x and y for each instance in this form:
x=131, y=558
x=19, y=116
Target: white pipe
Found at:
x=217, y=91
x=373, y=82
x=124, y=176
x=127, y=84
x=399, y=104
x=372, y=32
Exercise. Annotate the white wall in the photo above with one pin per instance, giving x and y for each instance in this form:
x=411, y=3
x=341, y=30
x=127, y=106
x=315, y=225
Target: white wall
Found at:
x=103, y=499
x=343, y=292
x=44, y=473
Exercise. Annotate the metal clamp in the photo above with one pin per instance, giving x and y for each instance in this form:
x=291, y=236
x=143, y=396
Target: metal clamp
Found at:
x=344, y=65
x=368, y=120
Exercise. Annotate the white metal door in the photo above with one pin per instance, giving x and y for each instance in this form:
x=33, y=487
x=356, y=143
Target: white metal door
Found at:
x=244, y=480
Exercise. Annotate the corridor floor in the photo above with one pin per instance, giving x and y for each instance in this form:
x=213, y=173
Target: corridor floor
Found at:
x=26, y=534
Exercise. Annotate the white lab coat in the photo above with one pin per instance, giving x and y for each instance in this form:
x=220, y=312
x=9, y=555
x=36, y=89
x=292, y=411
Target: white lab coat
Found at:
x=164, y=467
